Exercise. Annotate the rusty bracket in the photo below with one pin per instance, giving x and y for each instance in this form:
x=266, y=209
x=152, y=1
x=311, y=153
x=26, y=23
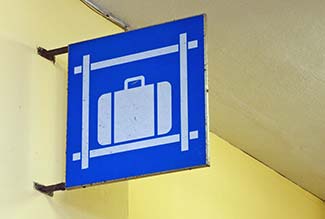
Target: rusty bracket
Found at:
x=49, y=190
x=50, y=54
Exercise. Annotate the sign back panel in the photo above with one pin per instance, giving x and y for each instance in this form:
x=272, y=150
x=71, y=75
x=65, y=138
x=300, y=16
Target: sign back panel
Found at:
x=137, y=103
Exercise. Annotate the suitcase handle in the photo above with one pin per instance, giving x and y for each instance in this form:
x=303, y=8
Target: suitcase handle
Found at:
x=137, y=78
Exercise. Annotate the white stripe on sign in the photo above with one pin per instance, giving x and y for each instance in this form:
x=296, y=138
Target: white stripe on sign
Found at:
x=183, y=85
x=192, y=44
x=85, y=113
x=194, y=135
x=75, y=156
x=77, y=69
x=135, y=145
x=136, y=57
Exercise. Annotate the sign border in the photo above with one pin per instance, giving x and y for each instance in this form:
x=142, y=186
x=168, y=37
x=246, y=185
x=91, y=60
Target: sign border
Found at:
x=206, y=101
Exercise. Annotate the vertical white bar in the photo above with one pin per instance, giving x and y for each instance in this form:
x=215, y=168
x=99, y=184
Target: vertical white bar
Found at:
x=85, y=112
x=184, y=90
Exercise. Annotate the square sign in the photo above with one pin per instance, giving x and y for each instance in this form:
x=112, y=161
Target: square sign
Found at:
x=137, y=103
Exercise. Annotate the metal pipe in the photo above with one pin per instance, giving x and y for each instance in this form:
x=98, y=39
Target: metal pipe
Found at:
x=106, y=14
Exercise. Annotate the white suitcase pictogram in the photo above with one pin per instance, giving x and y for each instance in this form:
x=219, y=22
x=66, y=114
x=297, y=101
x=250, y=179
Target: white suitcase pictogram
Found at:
x=134, y=112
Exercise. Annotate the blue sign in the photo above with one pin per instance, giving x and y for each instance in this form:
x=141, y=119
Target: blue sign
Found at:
x=137, y=103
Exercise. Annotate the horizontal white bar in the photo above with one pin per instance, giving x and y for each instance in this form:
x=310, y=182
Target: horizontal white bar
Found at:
x=134, y=57
x=76, y=156
x=194, y=134
x=77, y=69
x=135, y=145
x=192, y=44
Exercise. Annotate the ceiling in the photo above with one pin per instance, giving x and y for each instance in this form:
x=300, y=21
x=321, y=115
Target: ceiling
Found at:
x=266, y=63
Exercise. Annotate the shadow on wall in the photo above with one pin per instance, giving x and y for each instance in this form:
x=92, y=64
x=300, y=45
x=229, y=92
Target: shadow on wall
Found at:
x=93, y=202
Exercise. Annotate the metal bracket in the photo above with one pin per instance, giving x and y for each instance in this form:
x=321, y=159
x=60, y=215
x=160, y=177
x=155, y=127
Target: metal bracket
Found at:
x=50, y=54
x=49, y=190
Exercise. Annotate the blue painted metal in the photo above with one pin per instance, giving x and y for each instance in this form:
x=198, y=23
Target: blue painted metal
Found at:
x=156, y=73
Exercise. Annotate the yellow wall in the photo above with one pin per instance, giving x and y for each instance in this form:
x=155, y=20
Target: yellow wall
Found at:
x=32, y=140
x=236, y=186
x=33, y=111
